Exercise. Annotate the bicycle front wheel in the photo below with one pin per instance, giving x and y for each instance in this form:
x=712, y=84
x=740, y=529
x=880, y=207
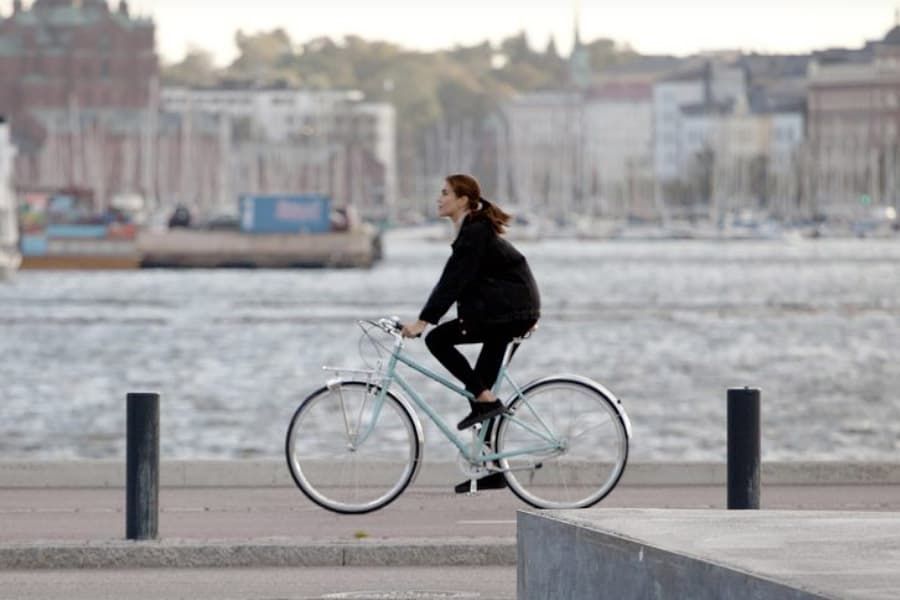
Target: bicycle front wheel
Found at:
x=350, y=453
x=566, y=444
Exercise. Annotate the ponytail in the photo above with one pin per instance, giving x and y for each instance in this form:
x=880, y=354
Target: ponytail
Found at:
x=498, y=218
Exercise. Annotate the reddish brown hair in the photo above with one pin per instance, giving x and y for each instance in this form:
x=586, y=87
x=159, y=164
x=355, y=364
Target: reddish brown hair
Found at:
x=466, y=185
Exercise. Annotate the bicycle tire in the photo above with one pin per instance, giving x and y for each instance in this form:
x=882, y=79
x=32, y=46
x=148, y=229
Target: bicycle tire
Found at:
x=558, y=479
x=319, y=449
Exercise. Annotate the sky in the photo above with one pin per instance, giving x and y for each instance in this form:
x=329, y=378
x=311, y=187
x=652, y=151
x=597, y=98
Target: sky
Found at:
x=650, y=26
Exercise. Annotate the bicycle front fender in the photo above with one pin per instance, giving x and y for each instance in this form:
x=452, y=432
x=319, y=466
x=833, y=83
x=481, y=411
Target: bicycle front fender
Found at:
x=401, y=399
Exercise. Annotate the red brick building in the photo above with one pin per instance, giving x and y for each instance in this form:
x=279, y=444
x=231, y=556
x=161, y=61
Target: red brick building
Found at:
x=72, y=54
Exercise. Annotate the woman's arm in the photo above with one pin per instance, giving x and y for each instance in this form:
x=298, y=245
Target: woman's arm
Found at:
x=414, y=330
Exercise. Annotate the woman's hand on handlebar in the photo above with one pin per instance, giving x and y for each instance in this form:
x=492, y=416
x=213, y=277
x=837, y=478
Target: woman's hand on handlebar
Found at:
x=414, y=330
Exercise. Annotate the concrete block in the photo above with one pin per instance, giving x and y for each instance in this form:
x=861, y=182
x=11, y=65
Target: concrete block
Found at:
x=705, y=555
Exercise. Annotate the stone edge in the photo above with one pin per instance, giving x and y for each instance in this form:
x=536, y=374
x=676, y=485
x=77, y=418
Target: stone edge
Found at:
x=274, y=473
x=121, y=554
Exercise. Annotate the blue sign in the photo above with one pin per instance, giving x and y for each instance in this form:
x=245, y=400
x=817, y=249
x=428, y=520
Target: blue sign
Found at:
x=285, y=214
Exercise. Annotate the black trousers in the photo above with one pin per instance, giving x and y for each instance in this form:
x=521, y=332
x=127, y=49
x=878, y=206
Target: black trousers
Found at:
x=443, y=339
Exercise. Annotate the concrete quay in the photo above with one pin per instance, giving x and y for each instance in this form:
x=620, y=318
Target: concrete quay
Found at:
x=58, y=515
x=707, y=555
x=195, y=248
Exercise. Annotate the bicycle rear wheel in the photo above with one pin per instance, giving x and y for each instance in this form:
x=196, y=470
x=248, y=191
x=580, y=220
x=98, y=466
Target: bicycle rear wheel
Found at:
x=569, y=444
x=336, y=463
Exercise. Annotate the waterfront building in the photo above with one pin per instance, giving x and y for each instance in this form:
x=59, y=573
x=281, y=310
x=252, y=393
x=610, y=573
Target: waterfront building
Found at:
x=727, y=139
x=702, y=85
x=618, y=147
x=289, y=140
x=543, y=152
x=59, y=54
x=70, y=70
x=854, y=129
x=750, y=155
x=619, y=138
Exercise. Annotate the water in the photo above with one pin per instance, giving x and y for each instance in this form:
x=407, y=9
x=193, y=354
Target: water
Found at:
x=668, y=326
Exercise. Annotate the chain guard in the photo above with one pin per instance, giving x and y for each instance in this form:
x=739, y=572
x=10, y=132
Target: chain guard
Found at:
x=471, y=471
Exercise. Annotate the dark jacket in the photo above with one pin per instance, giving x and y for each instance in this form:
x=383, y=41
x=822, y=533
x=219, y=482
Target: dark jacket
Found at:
x=489, y=279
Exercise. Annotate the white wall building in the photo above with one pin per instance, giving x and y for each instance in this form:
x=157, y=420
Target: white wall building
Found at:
x=669, y=96
x=275, y=113
x=544, y=152
x=715, y=152
x=677, y=141
x=619, y=147
x=295, y=119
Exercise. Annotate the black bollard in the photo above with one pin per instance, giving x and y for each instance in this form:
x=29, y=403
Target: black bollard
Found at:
x=142, y=467
x=743, y=448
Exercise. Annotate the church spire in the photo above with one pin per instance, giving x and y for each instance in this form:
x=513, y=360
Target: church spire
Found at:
x=577, y=36
x=579, y=60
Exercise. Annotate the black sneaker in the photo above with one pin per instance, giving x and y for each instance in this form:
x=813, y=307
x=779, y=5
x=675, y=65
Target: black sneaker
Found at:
x=480, y=412
x=494, y=481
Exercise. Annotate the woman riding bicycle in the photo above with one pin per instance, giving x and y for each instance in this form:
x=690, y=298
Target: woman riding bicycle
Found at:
x=354, y=445
x=495, y=293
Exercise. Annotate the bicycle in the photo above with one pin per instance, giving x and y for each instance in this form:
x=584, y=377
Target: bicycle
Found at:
x=354, y=445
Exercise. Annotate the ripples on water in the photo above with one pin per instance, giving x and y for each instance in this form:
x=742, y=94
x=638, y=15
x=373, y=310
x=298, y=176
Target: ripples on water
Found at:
x=668, y=326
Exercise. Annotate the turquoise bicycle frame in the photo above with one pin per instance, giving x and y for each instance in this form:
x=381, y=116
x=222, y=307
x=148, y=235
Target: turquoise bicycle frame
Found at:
x=472, y=454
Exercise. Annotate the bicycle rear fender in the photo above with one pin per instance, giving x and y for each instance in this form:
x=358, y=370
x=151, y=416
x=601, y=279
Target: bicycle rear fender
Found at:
x=417, y=424
x=596, y=386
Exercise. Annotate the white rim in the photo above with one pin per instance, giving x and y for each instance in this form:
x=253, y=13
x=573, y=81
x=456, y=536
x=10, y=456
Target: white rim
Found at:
x=346, y=507
x=614, y=474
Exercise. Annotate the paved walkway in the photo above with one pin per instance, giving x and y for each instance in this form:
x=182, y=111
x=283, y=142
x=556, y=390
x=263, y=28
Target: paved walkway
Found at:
x=28, y=515
x=312, y=583
x=423, y=534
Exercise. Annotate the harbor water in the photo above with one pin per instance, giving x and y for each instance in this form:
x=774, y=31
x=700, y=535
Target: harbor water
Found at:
x=668, y=326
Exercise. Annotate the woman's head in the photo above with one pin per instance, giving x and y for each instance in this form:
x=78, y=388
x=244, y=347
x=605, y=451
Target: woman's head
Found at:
x=461, y=194
x=457, y=196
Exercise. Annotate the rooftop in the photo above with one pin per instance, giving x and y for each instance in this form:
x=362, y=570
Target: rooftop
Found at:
x=52, y=14
x=893, y=37
x=622, y=91
x=692, y=72
x=709, y=108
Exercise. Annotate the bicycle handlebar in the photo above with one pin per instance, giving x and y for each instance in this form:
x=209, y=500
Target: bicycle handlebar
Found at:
x=391, y=325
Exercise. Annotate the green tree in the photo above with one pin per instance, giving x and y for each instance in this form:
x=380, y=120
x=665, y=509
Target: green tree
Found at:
x=195, y=69
x=427, y=89
x=264, y=57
